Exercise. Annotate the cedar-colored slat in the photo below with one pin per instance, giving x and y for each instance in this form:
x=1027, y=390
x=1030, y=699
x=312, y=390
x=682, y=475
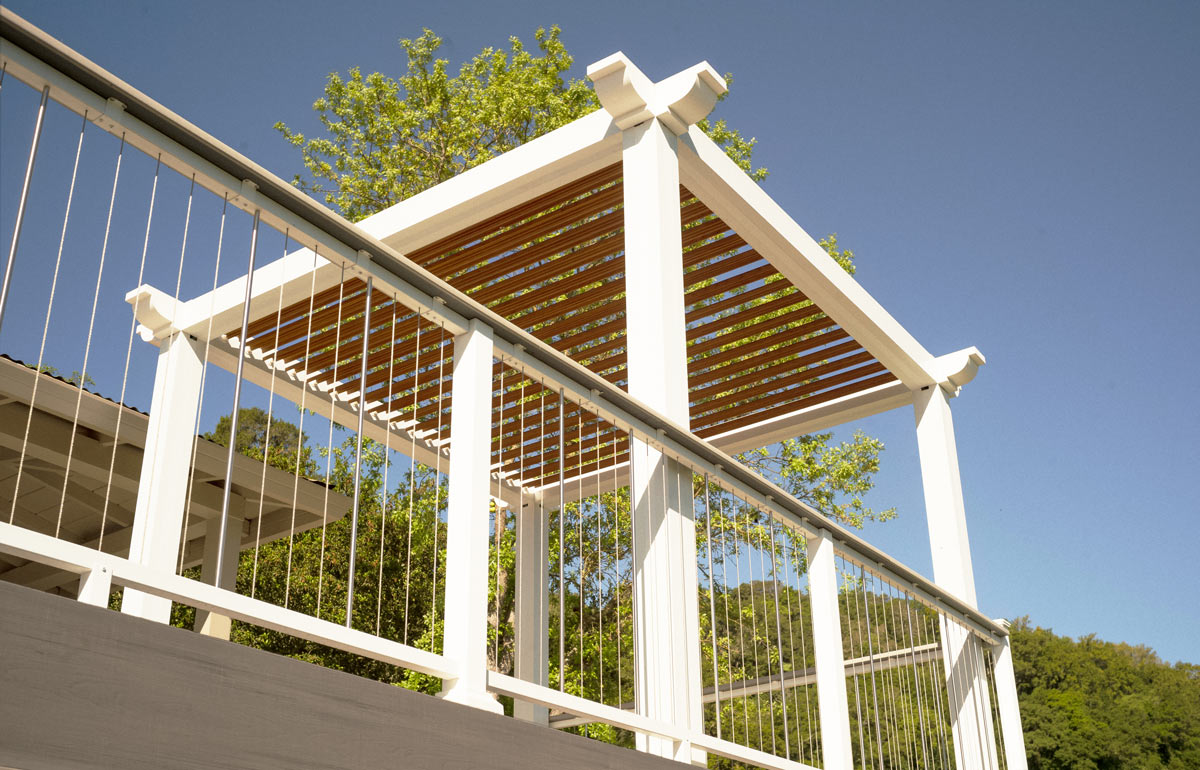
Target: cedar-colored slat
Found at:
x=552, y=475
x=699, y=254
x=578, y=318
x=702, y=232
x=698, y=364
x=537, y=232
x=720, y=267
x=760, y=326
x=717, y=288
x=298, y=327
x=778, y=411
x=793, y=395
x=746, y=396
x=561, y=308
x=516, y=214
x=519, y=284
x=558, y=244
x=293, y=312
x=324, y=327
x=761, y=368
x=754, y=315
x=599, y=272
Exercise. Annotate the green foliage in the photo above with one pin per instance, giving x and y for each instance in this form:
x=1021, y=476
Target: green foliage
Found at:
x=1091, y=704
x=83, y=380
x=390, y=138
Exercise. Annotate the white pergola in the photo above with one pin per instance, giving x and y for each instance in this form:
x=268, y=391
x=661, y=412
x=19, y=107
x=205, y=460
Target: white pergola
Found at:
x=630, y=242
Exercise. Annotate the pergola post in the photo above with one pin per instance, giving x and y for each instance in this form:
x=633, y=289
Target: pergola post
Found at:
x=221, y=575
x=163, y=489
x=468, y=500
x=1011, y=734
x=666, y=613
x=832, y=702
x=532, y=659
x=945, y=511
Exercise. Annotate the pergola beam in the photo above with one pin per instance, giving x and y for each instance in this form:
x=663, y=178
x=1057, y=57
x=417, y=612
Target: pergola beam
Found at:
x=709, y=173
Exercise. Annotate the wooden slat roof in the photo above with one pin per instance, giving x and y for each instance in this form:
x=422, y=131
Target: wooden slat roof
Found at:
x=757, y=346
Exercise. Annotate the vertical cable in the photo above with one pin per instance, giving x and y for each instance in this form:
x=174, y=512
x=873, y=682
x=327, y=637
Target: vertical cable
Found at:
x=187, y=510
x=496, y=526
x=712, y=601
x=562, y=497
x=274, y=367
x=333, y=375
x=87, y=351
x=362, y=413
x=312, y=297
x=387, y=464
x=46, y=331
x=787, y=740
x=437, y=473
x=16, y=237
x=412, y=473
x=237, y=394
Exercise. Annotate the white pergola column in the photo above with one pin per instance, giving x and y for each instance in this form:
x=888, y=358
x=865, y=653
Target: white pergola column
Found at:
x=1012, y=734
x=467, y=506
x=163, y=486
x=666, y=613
x=962, y=652
x=221, y=575
x=833, y=704
x=532, y=660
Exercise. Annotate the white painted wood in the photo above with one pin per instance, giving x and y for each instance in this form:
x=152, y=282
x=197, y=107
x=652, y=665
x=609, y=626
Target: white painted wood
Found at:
x=1012, y=734
x=536, y=167
x=221, y=575
x=166, y=585
x=467, y=504
x=709, y=173
x=876, y=400
x=95, y=586
x=163, y=490
x=666, y=614
x=532, y=660
x=945, y=511
x=592, y=711
x=828, y=650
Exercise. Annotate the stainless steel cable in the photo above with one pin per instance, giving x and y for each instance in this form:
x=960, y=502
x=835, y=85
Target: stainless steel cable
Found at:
x=437, y=483
x=46, y=333
x=312, y=297
x=237, y=394
x=358, y=444
x=22, y=201
x=412, y=475
x=333, y=375
x=387, y=464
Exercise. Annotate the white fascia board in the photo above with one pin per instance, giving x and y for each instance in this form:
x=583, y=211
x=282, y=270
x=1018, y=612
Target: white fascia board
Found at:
x=577, y=149
x=707, y=171
x=881, y=398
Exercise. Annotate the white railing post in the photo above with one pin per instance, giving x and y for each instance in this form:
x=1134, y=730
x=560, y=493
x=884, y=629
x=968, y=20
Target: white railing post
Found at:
x=945, y=511
x=467, y=504
x=532, y=659
x=163, y=486
x=1012, y=734
x=833, y=703
x=221, y=575
x=95, y=586
x=665, y=579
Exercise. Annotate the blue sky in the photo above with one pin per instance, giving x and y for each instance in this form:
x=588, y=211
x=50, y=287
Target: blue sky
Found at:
x=1023, y=177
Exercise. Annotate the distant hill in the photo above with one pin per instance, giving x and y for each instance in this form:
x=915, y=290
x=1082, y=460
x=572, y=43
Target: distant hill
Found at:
x=1087, y=703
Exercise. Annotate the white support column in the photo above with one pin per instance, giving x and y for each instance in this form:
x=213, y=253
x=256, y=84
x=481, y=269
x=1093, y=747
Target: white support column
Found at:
x=95, y=587
x=1012, y=734
x=223, y=575
x=466, y=611
x=532, y=663
x=945, y=511
x=163, y=485
x=666, y=590
x=832, y=701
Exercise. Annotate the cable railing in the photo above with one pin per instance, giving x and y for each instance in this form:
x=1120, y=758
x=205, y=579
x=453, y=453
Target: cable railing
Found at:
x=290, y=452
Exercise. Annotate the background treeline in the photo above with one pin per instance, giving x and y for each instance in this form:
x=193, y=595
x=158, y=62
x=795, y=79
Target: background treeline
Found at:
x=1087, y=703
